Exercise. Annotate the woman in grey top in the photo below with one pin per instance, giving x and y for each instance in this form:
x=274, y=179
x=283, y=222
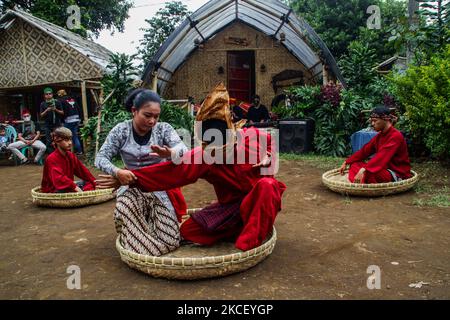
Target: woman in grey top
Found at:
x=146, y=222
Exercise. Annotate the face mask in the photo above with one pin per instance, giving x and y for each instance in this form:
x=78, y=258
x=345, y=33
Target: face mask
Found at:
x=27, y=118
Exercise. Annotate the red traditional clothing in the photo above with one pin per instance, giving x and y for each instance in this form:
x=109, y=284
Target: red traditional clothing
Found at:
x=59, y=171
x=260, y=196
x=390, y=152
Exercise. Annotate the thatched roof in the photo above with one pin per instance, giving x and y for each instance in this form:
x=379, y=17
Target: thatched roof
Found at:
x=270, y=17
x=36, y=52
x=92, y=50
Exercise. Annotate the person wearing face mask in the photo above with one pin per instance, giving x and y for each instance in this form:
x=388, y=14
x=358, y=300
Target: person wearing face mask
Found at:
x=147, y=222
x=27, y=136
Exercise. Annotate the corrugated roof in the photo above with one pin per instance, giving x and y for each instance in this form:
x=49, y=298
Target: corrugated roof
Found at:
x=270, y=17
x=95, y=52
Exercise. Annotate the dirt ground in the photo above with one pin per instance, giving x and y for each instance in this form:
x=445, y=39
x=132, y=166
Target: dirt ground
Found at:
x=326, y=242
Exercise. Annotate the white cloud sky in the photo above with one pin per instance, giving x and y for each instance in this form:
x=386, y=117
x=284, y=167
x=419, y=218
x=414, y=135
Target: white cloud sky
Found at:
x=128, y=41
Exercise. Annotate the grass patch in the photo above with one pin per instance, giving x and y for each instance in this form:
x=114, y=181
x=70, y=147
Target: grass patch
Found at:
x=436, y=198
x=320, y=162
x=433, y=188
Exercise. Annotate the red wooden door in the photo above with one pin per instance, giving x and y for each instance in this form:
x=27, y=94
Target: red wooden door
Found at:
x=241, y=75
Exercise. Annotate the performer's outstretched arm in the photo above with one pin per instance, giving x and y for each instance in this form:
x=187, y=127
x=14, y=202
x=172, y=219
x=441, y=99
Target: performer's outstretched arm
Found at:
x=167, y=175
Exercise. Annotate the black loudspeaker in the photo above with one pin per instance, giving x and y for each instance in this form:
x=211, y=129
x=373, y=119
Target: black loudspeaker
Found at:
x=296, y=136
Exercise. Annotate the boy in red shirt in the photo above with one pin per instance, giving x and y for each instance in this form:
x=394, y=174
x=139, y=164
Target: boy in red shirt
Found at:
x=61, y=166
x=390, y=161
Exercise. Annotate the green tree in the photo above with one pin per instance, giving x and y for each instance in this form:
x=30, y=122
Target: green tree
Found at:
x=96, y=15
x=425, y=93
x=340, y=22
x=336, y=21
x=429, y=35
x=160, y=27
x=392, y=13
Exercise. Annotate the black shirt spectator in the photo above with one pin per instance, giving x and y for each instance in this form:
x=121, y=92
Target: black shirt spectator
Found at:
x=258, y=112
x=52, y=119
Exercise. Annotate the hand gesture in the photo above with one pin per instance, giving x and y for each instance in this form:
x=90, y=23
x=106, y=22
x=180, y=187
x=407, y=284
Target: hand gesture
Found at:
x=162, y=152
x=360, y=176
x=107, y=182
x=265, y=162
x=126, y=177
x=343, y=168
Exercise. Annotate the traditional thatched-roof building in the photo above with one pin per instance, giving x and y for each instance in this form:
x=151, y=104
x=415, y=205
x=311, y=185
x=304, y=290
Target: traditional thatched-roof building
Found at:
x=35, y=53
x=254, y=46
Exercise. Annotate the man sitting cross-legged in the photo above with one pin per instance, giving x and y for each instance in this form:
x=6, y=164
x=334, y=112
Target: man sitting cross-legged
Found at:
x=390, y=161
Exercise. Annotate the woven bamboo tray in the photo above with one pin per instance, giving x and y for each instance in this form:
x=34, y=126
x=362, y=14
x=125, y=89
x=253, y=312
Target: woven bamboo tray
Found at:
x=72, y=199
x=191, y=262
x=337, y=183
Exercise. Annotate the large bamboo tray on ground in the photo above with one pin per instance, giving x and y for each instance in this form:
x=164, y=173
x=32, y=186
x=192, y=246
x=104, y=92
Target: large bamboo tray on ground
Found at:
x=72, y=199
x=191, y=262
x=338, y=183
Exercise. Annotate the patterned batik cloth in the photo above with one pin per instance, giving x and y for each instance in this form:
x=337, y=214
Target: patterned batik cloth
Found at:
x=218, y=217
x=145, y=226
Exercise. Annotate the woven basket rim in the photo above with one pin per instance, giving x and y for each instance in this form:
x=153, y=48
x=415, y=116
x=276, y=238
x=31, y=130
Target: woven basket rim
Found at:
x=69, y=195
x=369, y=187
x=197, y=263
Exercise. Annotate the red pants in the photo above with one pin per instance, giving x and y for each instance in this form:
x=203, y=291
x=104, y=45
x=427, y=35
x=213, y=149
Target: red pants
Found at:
x=379, y=177
x=258, y=211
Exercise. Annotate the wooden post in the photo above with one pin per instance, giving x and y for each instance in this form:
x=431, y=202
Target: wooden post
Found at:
x=99, y=121
x=325, y=74
x=155, y=81
x=85, y=108
x=101, y=102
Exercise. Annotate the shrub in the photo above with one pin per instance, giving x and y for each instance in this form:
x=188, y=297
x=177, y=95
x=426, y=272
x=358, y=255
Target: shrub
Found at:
x=424, y=91
x=303, y=99
x=336, y=123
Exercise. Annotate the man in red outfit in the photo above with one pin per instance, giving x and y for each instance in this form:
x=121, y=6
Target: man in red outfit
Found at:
x=390, y=161
x=248, y=201
x=61, y=165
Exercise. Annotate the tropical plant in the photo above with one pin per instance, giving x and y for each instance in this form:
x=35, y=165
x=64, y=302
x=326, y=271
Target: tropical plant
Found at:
x=336, y=123
x=424, y=91
x=358, y=66
x=303, y=100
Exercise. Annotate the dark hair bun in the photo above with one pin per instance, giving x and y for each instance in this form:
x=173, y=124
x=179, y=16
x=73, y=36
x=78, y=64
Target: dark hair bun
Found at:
x=129, y=101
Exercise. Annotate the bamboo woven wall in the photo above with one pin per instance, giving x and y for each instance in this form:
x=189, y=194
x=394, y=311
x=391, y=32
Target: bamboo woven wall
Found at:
x=30, y=57
x=198, y=75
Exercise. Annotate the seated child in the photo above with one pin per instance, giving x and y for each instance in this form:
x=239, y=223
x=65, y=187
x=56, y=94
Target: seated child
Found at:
x=61, y=165
x=3, y=139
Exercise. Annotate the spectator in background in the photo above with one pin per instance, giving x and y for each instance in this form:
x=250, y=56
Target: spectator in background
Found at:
x=257, y=113
x=71, y=117
x=27, y=136
x=52, y=112
x=3, y=139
